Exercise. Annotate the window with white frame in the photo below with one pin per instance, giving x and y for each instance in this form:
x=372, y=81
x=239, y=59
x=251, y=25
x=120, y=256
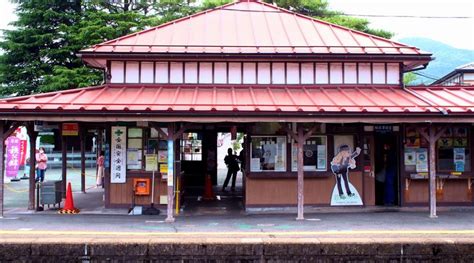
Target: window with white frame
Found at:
x=268, y=153
x=290, y=73
x=314, y=154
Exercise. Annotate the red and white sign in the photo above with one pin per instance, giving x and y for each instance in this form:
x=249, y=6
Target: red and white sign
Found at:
x=70, y=129
x=13, y=156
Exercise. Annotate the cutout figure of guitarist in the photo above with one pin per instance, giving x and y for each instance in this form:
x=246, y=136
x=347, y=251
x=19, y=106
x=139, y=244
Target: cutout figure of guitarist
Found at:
x=340, y=165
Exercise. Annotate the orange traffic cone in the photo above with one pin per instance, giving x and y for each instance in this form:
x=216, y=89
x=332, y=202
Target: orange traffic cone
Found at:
x=69, y=205
x=208, y=192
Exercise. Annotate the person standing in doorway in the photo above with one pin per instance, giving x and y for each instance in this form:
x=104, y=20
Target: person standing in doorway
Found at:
x=100, y=169
x=41, y=164
x=232, y=169
x=390, y=163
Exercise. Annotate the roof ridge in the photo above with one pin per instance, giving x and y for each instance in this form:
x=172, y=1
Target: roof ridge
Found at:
x=468, y=65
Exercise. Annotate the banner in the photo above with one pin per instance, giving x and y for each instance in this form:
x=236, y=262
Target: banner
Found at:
x=13, y=156
x=119, y=155
x=170, y=163
x=23, y=150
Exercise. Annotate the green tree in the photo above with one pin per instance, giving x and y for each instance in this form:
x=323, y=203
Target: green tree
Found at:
x=40, y=53
x=96, y=24
x=409, y=78
x=35, y=46
x=209, y=4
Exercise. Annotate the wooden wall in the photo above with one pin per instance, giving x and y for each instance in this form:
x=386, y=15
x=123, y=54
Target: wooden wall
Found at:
x=369, y=189
x=282, y=191
x=454, y=191
x=122, y=194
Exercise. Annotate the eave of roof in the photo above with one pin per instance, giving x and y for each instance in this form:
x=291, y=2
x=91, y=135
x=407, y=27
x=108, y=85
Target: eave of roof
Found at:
x=452, y=74
x=246, y=100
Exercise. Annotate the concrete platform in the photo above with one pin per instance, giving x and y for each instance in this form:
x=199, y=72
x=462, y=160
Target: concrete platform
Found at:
x=405, y=236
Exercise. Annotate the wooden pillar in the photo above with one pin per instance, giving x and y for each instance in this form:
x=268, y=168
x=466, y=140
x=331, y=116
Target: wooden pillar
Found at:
x=300, y=187
x=432, y=137
x=32, y=184
x=432, y=169
x=2, y=161
x=169, y=210
x=300, y=137
x=82, y=139
x=99, y=147
x=63, y=163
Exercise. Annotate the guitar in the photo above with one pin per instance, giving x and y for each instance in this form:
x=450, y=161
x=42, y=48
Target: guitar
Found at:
x=345, y=163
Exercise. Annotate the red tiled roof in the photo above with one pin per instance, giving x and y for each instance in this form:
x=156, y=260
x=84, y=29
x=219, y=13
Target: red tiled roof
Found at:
x=451, y=99
x=252, y=28
x=259, y=98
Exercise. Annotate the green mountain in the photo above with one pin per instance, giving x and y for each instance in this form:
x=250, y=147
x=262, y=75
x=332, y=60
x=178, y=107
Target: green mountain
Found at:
x=446, y=58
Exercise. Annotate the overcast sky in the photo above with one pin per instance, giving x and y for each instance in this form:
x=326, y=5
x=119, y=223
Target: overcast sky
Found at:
x=455, y=32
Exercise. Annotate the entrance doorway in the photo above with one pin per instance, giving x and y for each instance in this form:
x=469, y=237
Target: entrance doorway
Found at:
x=226, y=143
x=386, y=169
x=202, y=154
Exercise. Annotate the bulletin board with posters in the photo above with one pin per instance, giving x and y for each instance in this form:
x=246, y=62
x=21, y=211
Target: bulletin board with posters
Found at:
x=268, y=153
x=415, y=150
x=453, y=151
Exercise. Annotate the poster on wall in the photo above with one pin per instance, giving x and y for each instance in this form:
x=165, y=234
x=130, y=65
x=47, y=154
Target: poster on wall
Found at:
x=410, y=156
x=162, y=156
x=280, y=153
x=118, y=155
x=459, y=159
x=255, y=164
x=344, y=193
x=269, y=154
x=132, y=158
x=13, y=156
x=422, y=160
x=151, y=163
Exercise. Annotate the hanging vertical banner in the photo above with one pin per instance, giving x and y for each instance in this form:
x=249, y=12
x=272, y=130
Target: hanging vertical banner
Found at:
x=13, y=156
x=107, y=156
x=118, y=155
x=21, y=134
x=23, y=150
x=170, y=163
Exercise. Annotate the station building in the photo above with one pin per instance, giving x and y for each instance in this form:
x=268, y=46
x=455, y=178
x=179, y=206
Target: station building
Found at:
x=304, y=92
